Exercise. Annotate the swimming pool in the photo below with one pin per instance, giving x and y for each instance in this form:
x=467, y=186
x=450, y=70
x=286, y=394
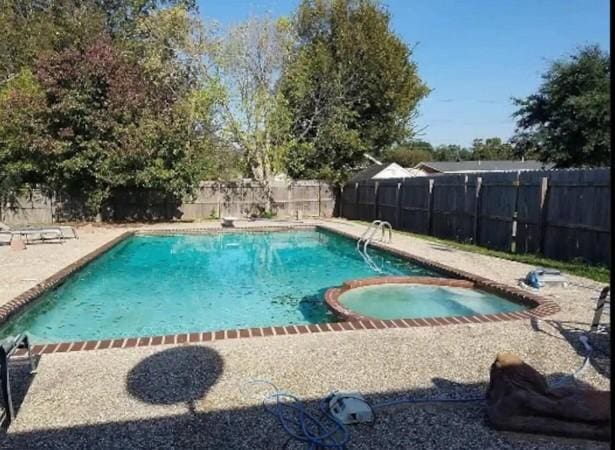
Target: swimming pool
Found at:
x=151, y=285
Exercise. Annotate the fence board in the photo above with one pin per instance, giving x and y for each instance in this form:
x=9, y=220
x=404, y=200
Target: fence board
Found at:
x=349, y=201
x=387, y=201
x=581, y=198
x=414, y=204
x=32, y=207
x=497, y=210
x=452, y=210
x=366, y=195
x=529, y=211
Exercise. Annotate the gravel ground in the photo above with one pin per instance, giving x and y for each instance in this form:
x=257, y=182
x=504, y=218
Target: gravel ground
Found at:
x=195, y=396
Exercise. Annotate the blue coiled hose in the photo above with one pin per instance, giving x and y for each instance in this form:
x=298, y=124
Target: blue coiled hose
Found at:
x=322, y=431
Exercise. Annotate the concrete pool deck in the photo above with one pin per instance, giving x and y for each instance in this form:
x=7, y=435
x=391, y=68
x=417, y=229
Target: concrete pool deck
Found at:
x=187, y=396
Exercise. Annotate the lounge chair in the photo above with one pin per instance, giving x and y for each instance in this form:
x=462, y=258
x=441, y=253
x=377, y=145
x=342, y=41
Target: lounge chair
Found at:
x=8, y=347
x=31, y=234
x=229, y=221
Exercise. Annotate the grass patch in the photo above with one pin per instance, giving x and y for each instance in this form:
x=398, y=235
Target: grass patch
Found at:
x=582, y=269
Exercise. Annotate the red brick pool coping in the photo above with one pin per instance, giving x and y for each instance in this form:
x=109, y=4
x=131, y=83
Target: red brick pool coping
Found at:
x=541, y=306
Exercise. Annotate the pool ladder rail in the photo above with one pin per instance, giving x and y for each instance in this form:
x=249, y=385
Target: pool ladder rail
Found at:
x=369, y=235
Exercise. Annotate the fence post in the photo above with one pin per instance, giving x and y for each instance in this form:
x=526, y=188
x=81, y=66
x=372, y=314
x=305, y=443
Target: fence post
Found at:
x=356, y=202
x=289, y=202
x=218, y=190
x=515, y=215
x=542, y=214
x=430, y=207
x=376, y=184
x=341, y=210
x=52, y=209
x=460, y=219
x=479, y=183
x=319, y=207
x=398, y=207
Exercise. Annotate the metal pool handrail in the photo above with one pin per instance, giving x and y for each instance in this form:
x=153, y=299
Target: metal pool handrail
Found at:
x=366, y=238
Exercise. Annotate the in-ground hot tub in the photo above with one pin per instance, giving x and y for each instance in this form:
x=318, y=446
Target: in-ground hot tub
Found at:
x=415, y=298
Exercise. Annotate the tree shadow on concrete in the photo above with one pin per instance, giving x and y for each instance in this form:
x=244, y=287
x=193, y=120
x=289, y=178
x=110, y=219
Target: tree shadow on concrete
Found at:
x=177, y=375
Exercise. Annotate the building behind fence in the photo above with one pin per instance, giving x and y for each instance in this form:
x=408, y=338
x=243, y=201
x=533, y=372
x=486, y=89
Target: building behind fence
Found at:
x=561, y=214
x=211, y=200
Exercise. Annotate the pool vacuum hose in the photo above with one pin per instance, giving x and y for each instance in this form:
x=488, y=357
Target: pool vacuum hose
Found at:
x=323, y=430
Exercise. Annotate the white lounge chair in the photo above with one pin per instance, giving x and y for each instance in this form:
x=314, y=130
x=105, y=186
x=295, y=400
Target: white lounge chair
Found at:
x=229, y=221
x=31, y=234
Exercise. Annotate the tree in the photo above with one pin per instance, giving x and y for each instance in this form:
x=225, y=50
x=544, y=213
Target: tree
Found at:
x=124, y=108
x=491, y=149
x=31, y=27
x=451, y=152
x=350, y=87
x=22, y=123
x=409, y=154
x=247, y=63
x=568, y=121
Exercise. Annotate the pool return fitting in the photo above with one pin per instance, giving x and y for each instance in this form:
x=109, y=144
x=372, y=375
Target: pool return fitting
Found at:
x=327, y=428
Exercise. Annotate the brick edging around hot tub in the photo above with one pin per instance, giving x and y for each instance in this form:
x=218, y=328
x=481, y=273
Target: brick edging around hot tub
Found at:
x=537, y=307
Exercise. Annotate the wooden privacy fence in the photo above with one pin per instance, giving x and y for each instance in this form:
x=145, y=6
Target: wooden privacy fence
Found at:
x=213, y=199
x=561, y=214
x=309, y=198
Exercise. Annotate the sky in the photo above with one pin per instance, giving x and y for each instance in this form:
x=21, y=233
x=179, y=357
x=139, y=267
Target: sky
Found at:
x=475, y=55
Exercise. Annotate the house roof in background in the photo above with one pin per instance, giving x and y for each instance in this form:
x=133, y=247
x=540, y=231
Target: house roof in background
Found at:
x=368, y=173
x=483, y=166
x=373, y=170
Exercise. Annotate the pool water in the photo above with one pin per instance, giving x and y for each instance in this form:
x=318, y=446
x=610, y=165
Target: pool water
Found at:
x=414, y=301
x=158, y=285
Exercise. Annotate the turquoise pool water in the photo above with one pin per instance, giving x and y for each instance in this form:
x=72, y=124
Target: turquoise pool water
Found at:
x=416, y=301
x=158, y=285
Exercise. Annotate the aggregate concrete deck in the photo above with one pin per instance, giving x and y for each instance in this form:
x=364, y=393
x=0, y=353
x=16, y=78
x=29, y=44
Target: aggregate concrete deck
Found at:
x=194, y=396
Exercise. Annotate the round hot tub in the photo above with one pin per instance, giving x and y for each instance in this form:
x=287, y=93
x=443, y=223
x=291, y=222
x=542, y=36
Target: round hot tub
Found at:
x=414, y=298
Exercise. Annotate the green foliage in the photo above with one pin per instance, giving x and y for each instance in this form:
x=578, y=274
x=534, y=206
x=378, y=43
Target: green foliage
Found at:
x=568, y=121
x=491, y=149
x=409, y=154
x=268, y=214
x=104, y=111
x=22, y=102
x=451, y=153
x=350, y=87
